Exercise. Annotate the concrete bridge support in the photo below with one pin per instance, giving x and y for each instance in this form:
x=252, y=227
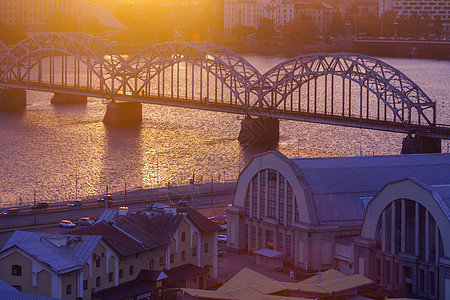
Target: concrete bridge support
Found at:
x=123, y=113
x=60, y=98
x=259, y=131
x=13, y=99
x=420, y=144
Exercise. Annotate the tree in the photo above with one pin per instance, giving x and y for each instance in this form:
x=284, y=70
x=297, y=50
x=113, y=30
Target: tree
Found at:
x=372, y=25
x=12, y=34
x=388, y=18
x=62, y=22
x=265, y=28
x=91, y=25
x=337, y=25
x=242, y=31
x=436, y=28
x=300, y=30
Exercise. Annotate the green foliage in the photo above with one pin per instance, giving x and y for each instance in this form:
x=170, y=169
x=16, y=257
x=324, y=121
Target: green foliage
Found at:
x=337, y=25
x=300, y=30
x=242, y=31
x=265, y=29
x=12, y=34
x=62, y=22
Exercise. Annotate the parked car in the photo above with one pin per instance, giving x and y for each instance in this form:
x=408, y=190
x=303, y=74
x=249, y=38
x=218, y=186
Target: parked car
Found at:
x=104, y=198
x=66, y=224
x=11, y=211
x=75, y=203
x=221, y=238
x=85, y=221
x=40, y=205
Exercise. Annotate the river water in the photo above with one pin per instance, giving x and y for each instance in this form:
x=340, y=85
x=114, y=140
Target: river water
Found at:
x=66, y=152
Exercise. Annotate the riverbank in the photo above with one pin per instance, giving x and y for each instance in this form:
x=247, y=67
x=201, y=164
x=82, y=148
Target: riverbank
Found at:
x=279, y=47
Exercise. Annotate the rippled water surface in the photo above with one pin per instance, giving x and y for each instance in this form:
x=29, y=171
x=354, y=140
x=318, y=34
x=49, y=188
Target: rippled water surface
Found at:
x=66, y=151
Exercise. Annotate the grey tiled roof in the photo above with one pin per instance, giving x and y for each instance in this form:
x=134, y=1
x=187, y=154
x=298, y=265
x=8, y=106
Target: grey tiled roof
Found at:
x=151, y=229
x=62, y=259
x=115, y=238
x=338, y=184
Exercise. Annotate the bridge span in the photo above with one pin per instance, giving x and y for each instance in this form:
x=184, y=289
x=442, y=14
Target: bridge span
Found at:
x=343, y=89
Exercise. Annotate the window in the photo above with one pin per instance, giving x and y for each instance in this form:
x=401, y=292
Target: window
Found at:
x=194, y=251
x=98, y=281
x=172, y=258
x=18, y=287
x=183, y=236
x=161, y=261
x=131, y=271
x=111, y=276
x=206, y=247
x=120, y=273
x=85, y=285
x=97, y=262
x=16, y=270
x=68, y=289
x=151, y=264
x=183, y=255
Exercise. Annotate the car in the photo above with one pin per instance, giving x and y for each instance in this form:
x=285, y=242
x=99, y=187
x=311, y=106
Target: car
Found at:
x=85, y=221
x=66, y=224
x=221, y=238
x=75, y=203
x=40, y=205
x=104, y=198
x=11, y=211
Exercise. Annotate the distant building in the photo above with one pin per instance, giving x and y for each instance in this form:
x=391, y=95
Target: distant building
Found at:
x=33, y=15
x=312, y=209
x=138, y=255
x=248, y=12
x=320, y=13
x=432, y=8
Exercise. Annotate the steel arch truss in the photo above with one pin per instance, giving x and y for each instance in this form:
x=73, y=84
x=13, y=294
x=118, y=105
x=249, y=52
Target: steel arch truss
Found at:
x=69, y=60
x=344, y=86
x=347, y=89
x=192, y=72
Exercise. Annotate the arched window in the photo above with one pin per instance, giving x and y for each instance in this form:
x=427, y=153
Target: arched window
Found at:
x=183, y=255
x=183, y=236
x=416, y=217
x=16, y=270
x=98, y=281
x=270, y=195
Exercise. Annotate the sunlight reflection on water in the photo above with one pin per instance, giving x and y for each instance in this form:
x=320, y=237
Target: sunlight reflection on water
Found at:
x=64, y=150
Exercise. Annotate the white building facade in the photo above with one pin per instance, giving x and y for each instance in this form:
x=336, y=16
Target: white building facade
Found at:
x=248, y=12
x=312, y=209
x=431, y=8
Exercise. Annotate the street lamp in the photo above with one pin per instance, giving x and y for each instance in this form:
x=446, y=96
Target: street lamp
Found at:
x=395, y=29
x=106, y=195
x=348, y=29
x=125, y=181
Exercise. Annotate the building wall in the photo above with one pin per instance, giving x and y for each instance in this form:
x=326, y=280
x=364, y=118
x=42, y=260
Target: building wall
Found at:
x=270, y=210
x=69, y=285
x=24, y=280
x=403, y=244
x=137, y=262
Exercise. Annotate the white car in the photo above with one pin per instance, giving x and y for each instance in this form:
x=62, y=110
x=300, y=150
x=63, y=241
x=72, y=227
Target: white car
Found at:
x=221, y=238
x=66, y=224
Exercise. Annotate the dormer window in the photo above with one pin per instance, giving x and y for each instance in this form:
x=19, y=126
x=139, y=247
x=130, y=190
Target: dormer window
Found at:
x=16, y=270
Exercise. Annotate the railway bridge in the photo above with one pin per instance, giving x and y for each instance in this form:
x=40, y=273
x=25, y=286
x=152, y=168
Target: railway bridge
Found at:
x=344, y=89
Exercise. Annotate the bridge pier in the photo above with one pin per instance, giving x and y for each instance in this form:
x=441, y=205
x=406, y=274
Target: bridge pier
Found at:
x=259, y=131
x=123, y=113
x=420, y=144
x=13, y=99
x=61, y=98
